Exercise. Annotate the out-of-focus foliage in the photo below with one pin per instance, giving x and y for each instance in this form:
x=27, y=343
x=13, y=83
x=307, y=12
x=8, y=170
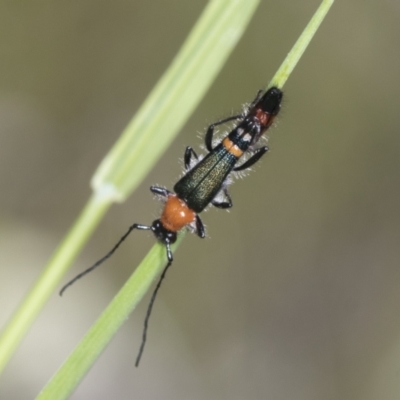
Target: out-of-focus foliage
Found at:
x=296, y=293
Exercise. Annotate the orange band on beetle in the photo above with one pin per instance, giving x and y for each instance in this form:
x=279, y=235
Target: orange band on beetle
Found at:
x=231, y=147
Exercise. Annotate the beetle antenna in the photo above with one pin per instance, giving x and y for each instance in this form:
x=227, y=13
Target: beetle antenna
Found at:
x=151, y=303
x=109, y=254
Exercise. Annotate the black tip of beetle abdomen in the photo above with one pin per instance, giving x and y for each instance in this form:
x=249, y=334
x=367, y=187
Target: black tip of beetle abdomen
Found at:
x=271, y=101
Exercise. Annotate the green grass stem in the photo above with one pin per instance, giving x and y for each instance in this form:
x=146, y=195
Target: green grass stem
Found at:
x=149, y=133
x=75, y=367
x=73, y=370
x=50, y=277
x=100, y=334
x=300, y=46
x=156, y=123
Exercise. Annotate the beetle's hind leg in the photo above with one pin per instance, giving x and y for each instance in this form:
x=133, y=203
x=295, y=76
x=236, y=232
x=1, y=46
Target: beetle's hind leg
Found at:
x=223, y=204
x=253, y=159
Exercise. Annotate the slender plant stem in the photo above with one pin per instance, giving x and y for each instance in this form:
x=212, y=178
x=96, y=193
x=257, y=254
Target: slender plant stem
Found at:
x=73, y=370
x=156, y=123
x=100, y=334
x=300, y=46
x=82, y=229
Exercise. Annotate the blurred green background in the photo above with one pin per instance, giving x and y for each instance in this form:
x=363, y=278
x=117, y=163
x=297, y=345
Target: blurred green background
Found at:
x=295, y=295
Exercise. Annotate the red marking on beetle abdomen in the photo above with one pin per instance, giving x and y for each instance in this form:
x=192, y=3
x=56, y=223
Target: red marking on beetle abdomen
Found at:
x=176, y=214
x=264, y=118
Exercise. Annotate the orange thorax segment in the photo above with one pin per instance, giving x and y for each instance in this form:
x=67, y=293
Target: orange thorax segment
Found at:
x=176, y=214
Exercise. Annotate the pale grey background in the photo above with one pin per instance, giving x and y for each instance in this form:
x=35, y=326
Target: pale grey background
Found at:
x=296, y=293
